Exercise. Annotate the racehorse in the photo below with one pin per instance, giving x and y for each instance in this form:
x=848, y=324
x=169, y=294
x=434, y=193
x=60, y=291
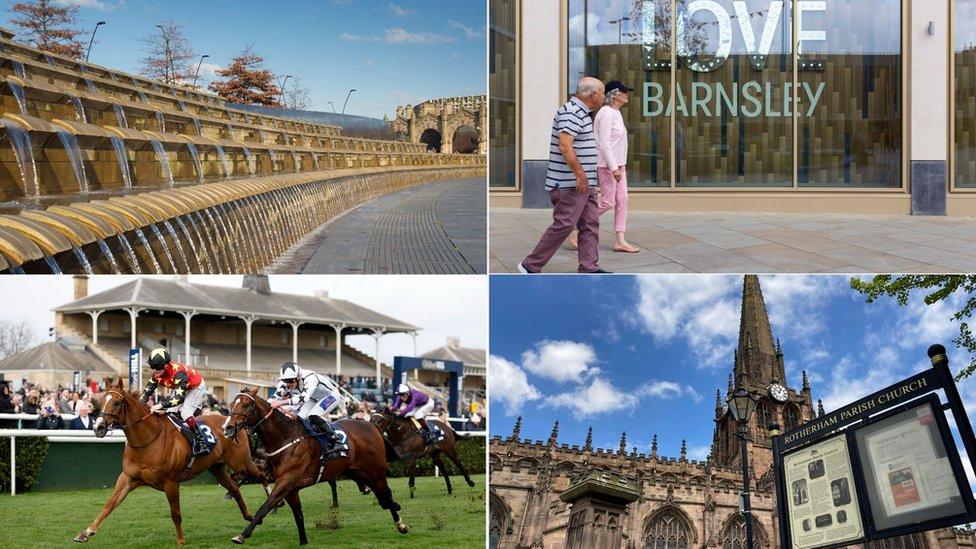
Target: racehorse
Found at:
x=406, y=444
x=156, y=454
x=297, y=461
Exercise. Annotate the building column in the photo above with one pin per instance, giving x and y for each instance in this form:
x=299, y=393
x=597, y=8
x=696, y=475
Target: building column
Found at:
x=377, y=334
x=294, y=339
x=338, y=345
x=187, y=315
x=416, y=371
x=133, y=314
x=248, y=320
x=94, y=317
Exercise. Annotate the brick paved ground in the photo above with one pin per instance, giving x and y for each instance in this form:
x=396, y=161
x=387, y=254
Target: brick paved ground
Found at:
x=437, y=228
x=716, y=242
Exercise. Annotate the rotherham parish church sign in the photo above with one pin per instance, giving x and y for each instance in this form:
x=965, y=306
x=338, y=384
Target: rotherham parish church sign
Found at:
x=749, y=99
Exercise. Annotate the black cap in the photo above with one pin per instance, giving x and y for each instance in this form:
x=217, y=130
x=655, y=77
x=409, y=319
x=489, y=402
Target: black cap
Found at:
x=616, y=85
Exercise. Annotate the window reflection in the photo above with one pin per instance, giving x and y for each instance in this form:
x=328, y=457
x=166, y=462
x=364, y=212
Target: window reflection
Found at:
x=502, y=92
x=964, y=166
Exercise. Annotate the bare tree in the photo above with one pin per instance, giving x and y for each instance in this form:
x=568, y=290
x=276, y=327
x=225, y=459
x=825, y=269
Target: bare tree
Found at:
x=48, y=26
x=296, y=96
x=15, y=336
x=169, y=56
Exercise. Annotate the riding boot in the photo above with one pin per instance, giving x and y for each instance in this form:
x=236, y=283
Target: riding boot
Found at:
x=323, y=426
x=425, y=431
x=199, y=443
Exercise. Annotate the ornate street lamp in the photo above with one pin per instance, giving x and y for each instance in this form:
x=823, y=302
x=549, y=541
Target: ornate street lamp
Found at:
x=741, y=405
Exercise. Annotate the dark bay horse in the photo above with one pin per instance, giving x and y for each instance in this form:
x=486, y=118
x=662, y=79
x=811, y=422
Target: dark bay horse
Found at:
x=296, y=459
x=157, y=455
x=406, y=444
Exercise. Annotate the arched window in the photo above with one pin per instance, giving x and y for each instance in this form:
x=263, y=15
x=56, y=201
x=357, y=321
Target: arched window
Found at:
x=911, y=541
x=494, y=530
x=791, y=418
x=735, y=534
x=667, y=531
x=763, y=416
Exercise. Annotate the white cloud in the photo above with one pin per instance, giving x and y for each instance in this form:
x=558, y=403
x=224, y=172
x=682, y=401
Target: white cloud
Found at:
x=597, y=397
x=399, y=36
x=400, y=11
x=561, y=361
x=92, y=4
x=509, y=385
x=468, y=31
x=208, y=71
x=795, y=303
x=699, y=453
x=666, y=390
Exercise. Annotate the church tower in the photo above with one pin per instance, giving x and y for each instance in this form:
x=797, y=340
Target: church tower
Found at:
x=757, y=366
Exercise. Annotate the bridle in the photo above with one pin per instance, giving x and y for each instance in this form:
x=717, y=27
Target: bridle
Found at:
x=114, y=423
x=251, y=408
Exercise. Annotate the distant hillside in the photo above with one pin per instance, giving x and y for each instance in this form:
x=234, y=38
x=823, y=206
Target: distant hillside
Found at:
x=352, y=125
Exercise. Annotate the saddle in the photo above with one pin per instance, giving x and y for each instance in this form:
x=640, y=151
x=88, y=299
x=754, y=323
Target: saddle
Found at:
x=339, y=447
x=436, y=432
x=209, y=440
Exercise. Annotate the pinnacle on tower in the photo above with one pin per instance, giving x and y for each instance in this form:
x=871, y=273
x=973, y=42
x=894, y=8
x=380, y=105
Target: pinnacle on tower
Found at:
x=588, y=446
x=554, y=435
x=806, y=382
x=654, y=447
x=623, y=443
x=718, y=403
x=731, y=387
x=517, y=430
x=820, y=408
x=684, y=450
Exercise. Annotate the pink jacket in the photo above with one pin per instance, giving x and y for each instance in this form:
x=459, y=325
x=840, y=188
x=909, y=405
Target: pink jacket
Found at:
x=611, y=138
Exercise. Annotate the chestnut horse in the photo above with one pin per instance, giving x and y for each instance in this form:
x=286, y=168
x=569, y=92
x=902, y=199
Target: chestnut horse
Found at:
x=297, y=461
x=156, y=454
x=406, y=444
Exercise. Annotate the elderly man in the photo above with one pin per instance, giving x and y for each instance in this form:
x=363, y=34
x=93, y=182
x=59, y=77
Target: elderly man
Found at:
x=571, y=182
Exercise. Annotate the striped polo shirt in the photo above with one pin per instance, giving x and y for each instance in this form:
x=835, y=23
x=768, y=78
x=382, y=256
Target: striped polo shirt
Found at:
x=572, y=118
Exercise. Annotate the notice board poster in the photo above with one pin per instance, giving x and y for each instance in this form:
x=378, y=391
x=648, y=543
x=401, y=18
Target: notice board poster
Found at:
x=907, y=470
x=821, y=496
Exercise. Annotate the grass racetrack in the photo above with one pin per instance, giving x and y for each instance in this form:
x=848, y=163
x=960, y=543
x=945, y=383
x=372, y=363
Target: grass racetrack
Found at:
x=52, y=519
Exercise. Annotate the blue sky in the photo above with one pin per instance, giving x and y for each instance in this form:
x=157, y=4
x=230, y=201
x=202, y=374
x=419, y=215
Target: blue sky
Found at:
x=645, y=354
x=392, y=53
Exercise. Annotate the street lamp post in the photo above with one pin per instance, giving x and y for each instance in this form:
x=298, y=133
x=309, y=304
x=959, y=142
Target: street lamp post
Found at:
x=619, y=23
x=281, y=87
x=197, y=73
x=741, y=405
x=92, y=41
x=333, y=107
x=347, y=100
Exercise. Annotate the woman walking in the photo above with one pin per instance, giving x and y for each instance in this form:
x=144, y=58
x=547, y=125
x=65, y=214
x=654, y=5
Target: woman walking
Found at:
x=611, y=171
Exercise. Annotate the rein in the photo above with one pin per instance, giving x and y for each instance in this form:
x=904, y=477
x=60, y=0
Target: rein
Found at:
x=125, y=428
x=262, y=420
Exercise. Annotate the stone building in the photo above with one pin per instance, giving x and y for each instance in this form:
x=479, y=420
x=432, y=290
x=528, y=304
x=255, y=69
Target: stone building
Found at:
x=682, y=503
x=450, y=124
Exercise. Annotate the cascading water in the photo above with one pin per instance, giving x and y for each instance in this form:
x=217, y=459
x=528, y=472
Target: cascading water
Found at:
x=271, y=153
x=162, y=244
x=179, y=245
x=91, y=85
x=24, y=151
x=120, y=115
x=49, y=59
x=193, y=245
x=142, y=97
x=230, y=242
x=114, y=77
x=161, y=120
x=230, y=131
x=53, y=265
x=82, y=260
x=213, y=238
x=196, y=122
x=145, y=244
x=163, y=161
x=223, y=160
x=252, y=164
x=130, y=254
x=297, y=161
x=18, y=93
x=196, y=160
x=315, y=162
x=19, y=69
x=79, y=107
x=182, y=105
x=76, y=157
x=107, y=252
x=123, y=158
x=155, y=87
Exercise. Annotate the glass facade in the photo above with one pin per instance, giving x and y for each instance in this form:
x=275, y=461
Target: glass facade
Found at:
x=502, y=91
x=722, y=95
x=964, y=61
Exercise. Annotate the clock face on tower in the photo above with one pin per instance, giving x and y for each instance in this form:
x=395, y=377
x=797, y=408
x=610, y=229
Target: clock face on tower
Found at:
x=778, y=392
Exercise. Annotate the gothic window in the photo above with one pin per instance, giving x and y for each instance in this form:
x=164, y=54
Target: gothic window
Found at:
x=913, y=541
x=791, y=418
x=667, y=531
x=763, y=416
x=735, y=534
x=494, y=530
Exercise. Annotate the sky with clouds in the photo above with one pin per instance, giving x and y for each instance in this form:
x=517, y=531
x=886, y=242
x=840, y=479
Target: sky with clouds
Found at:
x=392, y=53
x=442, y=307
x=646, y=354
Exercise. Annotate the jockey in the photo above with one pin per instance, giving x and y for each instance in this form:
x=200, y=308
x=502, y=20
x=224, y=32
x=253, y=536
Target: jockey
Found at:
x=415, y=405
x=311, y=394
x=188, y=391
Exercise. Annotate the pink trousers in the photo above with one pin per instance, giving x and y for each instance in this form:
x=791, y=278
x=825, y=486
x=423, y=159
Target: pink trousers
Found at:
x=613, y=196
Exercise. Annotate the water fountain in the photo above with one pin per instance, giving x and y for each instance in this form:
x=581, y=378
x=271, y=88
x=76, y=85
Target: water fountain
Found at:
x=223, y=160
x=120, y=115
x=196, y=160
x=123, y=159
x=163, y=161
x=77, y=159
x=79, y=107
x=24, y=151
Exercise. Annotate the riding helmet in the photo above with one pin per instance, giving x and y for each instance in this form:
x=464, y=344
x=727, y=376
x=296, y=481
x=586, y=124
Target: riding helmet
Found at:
x=403, y=389
x=290, y=370
x=159, y=358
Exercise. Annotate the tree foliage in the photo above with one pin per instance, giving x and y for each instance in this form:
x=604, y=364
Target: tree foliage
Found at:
x=939, y=288
x=15, y=336
x=168, y=54
x=246, y=81
x=48, y=25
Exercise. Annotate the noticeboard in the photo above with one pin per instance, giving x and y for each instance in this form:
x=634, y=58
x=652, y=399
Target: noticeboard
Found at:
x=883, y=466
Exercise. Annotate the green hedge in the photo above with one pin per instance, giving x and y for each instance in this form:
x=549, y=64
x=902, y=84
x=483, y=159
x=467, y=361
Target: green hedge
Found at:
x=471, y=451
x=31, y=452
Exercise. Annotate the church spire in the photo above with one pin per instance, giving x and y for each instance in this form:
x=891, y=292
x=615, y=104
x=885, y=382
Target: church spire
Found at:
x=757, y=356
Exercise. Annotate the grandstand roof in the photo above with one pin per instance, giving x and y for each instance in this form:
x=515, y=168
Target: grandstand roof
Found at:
x=61, y=355
x=453, y=351
x=180, y=295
